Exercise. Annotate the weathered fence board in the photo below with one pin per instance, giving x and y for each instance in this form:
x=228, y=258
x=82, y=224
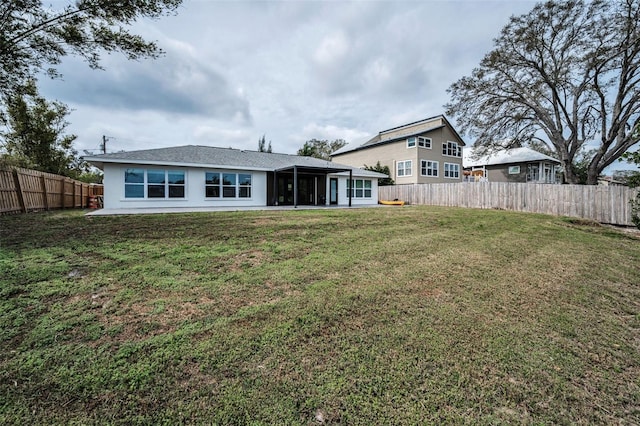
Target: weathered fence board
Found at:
x=605, y=204
x=23, y=190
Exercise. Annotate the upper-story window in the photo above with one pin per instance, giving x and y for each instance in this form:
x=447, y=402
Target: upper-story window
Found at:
x=403, y=168
x=420, y=141
x=451, y=149
x=424, y=142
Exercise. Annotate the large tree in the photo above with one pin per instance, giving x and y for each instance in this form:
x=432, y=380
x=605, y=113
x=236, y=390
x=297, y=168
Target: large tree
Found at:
x=321, y=148
x=566, y=74
x=35, y=137
x=34, y=37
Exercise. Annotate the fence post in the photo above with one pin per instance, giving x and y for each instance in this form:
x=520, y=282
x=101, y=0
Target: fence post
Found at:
x=16, y=178
x=63, y=192
x=43, y=180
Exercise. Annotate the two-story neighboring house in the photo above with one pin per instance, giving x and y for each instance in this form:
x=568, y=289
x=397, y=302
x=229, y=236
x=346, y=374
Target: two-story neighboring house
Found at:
x=426, y=151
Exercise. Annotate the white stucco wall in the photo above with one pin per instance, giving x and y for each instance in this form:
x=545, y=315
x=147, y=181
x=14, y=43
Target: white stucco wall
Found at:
x=114, y=188
x=343, y=198
x=194, y=189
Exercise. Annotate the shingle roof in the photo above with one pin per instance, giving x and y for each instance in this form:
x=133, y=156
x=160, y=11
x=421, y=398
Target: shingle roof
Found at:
x=514, y=155
x=380, y=139
x=214, y=157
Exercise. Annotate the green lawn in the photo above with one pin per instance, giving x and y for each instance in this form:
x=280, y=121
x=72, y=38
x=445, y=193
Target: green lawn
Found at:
x=406, y=315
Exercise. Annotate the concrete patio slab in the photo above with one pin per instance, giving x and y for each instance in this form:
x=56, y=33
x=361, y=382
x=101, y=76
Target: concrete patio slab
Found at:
x=165, y=210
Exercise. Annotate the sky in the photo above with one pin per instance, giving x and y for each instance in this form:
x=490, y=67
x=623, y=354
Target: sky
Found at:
x=289, y=70
x=234, y=71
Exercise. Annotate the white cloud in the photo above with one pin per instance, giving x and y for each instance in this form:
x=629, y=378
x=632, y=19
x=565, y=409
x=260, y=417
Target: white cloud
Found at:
x=332, y=50
x=377, y=73
x=330, y=133
x=218, y=135
x=293, y=71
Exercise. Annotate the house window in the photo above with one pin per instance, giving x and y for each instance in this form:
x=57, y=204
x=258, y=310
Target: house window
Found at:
x=158, y=183
x=227, y=185
x=429, y=168
x=452, y=170
x=244, y=185
x=176, y=184
x=212, y=185
x=424, y=142
x=134, y=183
x=533, y=172
x=359, y=188
x=420, y=141
x=514, y=170
x=451, y=149
x=403, y=168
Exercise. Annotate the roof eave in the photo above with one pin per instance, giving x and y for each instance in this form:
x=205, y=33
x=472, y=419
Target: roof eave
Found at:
x=97, y=160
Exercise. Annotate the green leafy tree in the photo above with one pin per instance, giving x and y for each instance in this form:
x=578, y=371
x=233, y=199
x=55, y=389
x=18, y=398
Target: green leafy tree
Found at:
x=581, y=167
x=630, y=178
x=91, y=176
x=566, y=74
x=34, y=36
x=381, y=169
x=262, y=145
x=634, y=181
x=321, y=148
x=34, y=137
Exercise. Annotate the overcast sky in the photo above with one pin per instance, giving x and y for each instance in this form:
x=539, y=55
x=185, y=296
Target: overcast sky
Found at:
x=291, y=70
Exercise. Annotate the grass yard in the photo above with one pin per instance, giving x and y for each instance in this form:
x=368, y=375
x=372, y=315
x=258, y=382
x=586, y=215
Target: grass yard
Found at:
x=407, y=315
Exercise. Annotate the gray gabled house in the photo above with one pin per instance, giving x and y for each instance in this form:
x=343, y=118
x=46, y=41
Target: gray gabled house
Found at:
x=205, y=176
x=512, y=165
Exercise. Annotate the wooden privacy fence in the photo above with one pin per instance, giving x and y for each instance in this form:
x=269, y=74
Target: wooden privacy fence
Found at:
x=23, y=190
x=605, y=204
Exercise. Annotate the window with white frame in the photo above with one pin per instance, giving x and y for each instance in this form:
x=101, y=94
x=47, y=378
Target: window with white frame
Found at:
x=359, y=188
x=154, y=183
x=533, y=172
x=411, y=142
x=452, y=170
x=227, y=185
x=134, y=185
x=451, y=149
x=403, y=168
x=429, y=168
x=424, y=142
x=244, y=185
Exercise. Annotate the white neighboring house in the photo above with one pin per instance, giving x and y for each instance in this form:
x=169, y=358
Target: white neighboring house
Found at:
x=513, y=165
x=204, y=176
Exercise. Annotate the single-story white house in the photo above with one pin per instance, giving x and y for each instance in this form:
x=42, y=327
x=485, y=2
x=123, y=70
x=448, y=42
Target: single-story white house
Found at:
x=205, y=176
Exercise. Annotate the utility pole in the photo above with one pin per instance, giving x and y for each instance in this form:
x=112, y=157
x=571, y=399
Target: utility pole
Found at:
x=103, y=145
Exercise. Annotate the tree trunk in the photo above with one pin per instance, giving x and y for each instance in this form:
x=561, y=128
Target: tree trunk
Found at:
x=592, y=175
x=569, y=175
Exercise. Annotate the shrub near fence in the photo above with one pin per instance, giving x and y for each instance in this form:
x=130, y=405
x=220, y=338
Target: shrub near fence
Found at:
x=23, y=190
x=605, y=204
